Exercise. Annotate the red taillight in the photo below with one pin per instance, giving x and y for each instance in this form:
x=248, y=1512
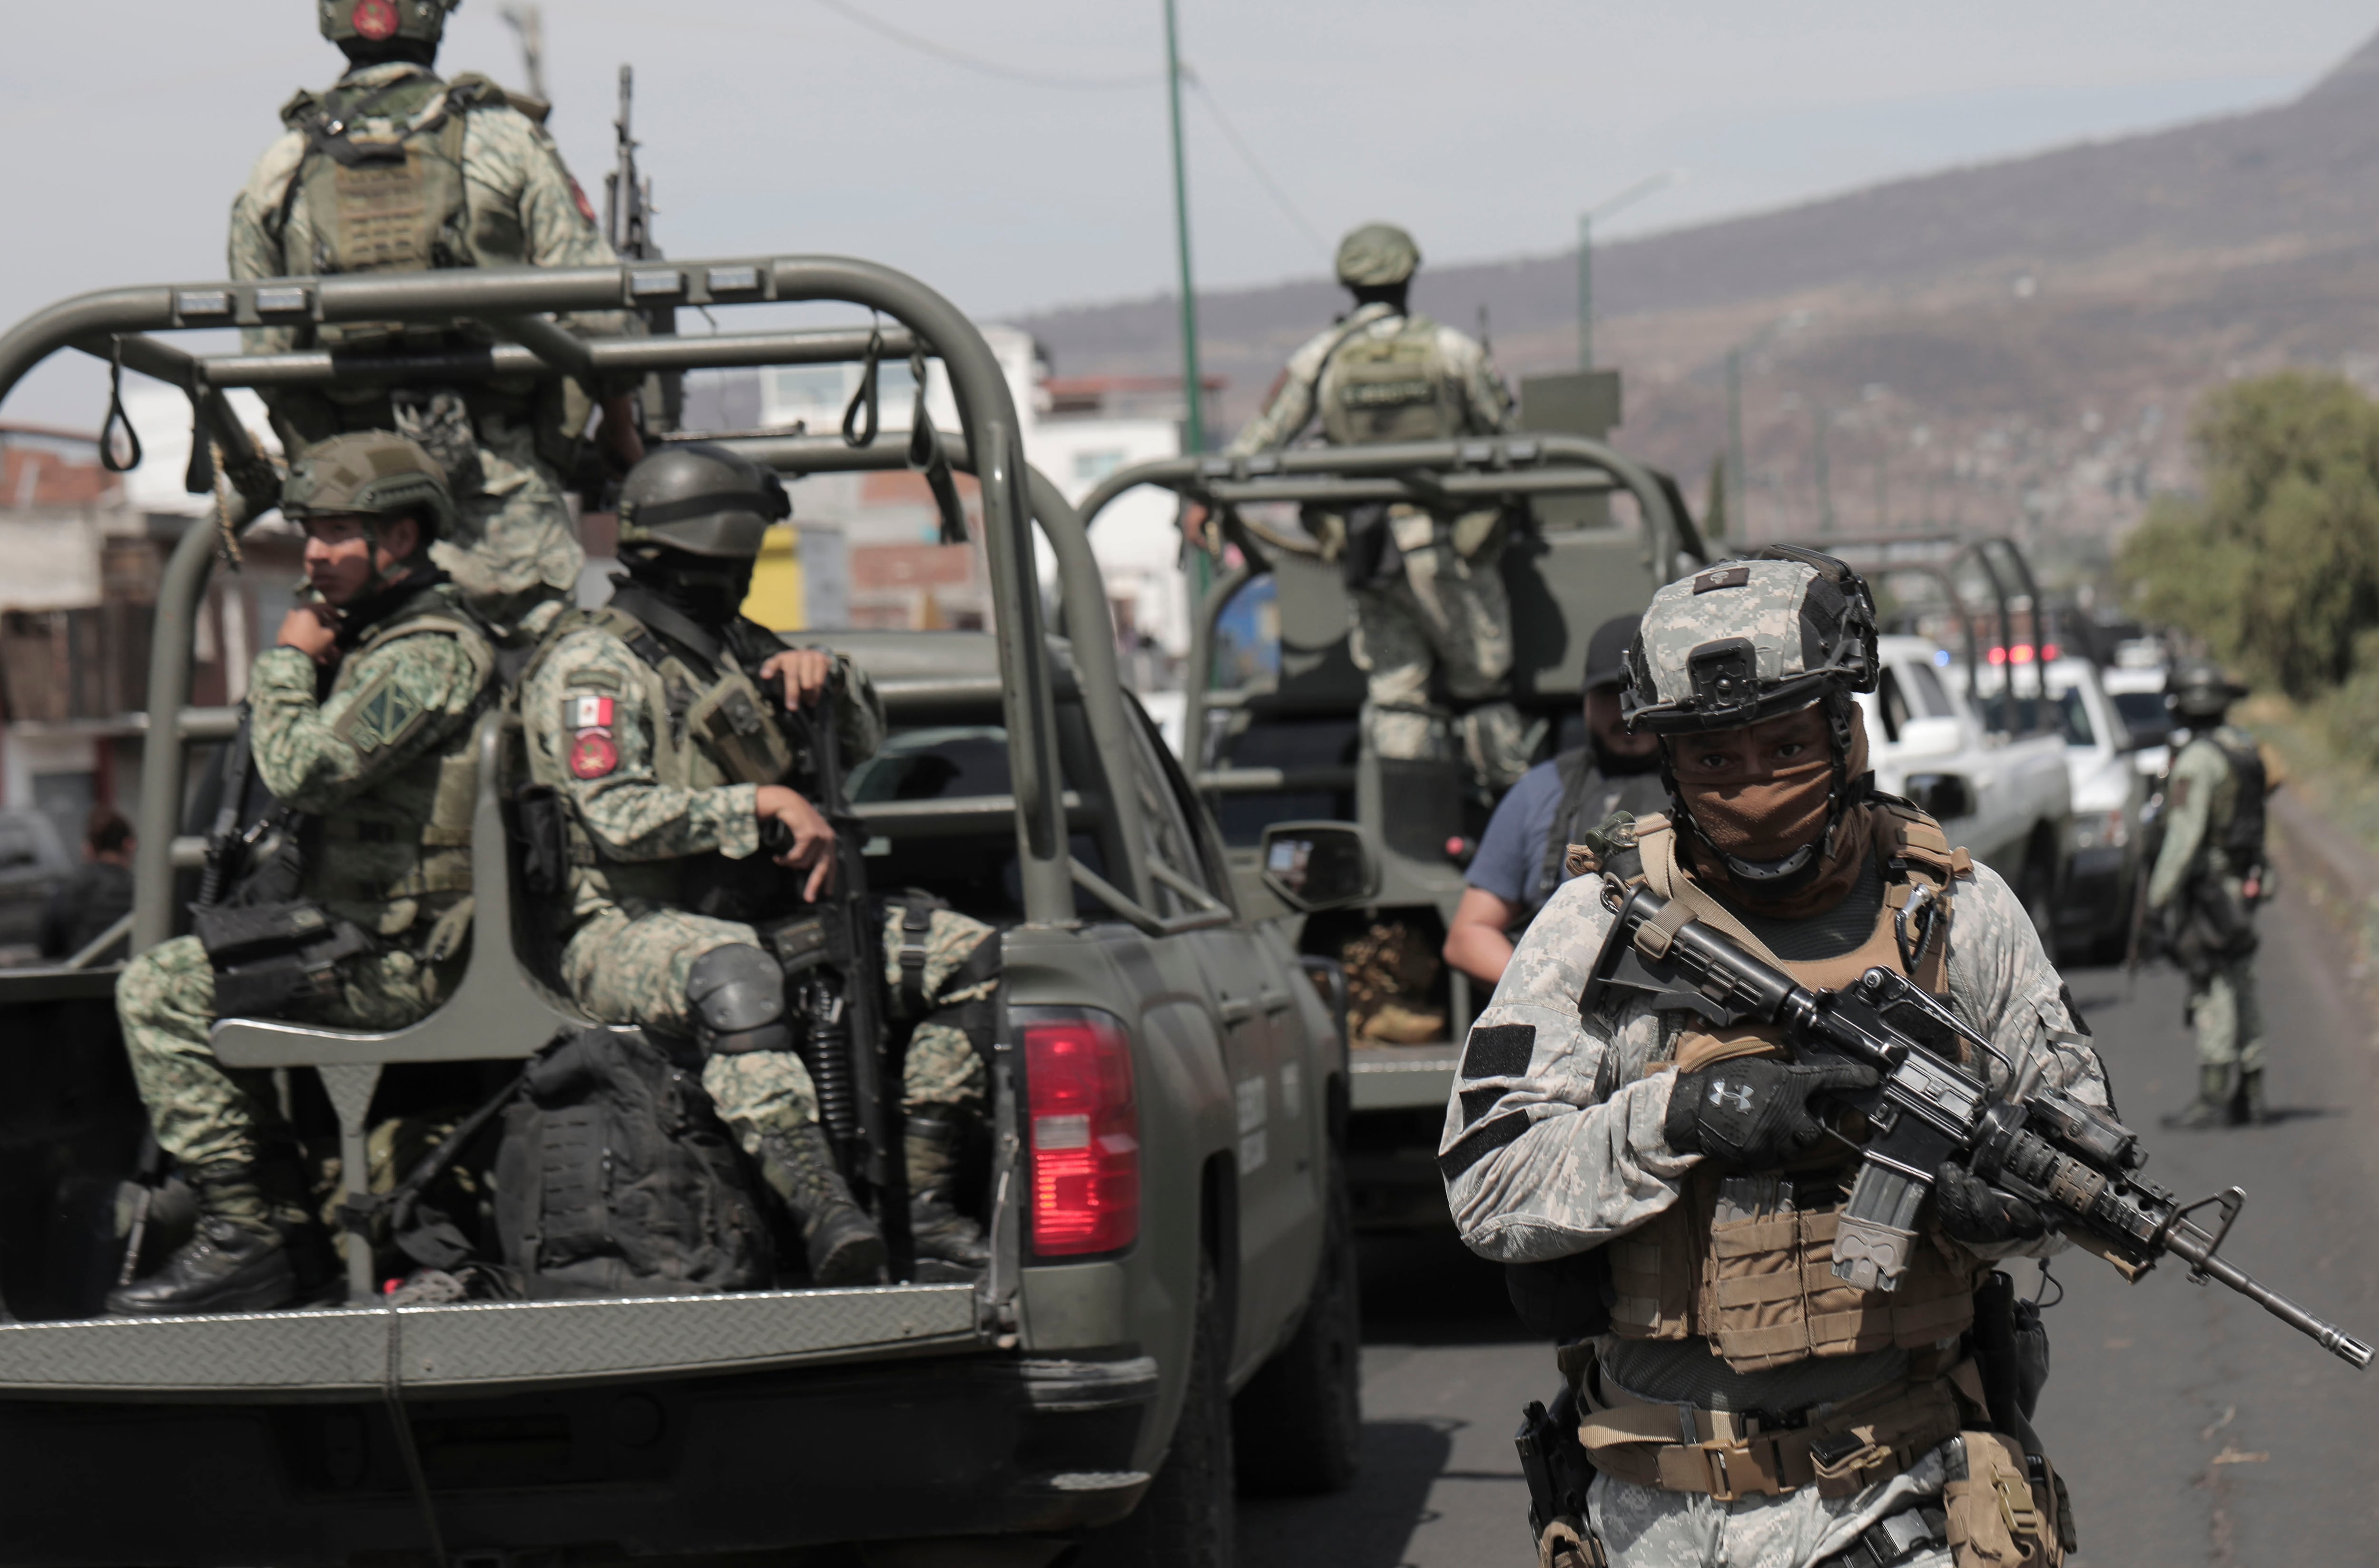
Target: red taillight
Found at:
x=1084, y=1136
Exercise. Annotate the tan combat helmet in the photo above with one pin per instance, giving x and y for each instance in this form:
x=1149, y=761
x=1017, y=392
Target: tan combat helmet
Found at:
x=373, y=475
x=701, y=499
x=377, y=21
x=1377, y=256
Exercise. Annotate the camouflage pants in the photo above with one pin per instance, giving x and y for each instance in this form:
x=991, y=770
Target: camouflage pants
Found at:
x=623, y=970
x=203, y=1112
x=515, y=547
x=1449, y=608
x=2229, y=1016
x=1647, y=1527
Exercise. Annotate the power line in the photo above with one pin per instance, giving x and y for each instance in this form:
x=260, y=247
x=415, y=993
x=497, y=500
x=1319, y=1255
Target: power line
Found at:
x=1255, y=165
x=948, y=55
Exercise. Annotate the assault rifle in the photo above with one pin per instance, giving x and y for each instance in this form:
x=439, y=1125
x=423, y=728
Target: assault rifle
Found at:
x=2075, y=1164
x=628, y=223
x=839, y=989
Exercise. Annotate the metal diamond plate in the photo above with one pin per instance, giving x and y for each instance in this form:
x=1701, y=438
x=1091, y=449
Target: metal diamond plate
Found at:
x=268, y=1356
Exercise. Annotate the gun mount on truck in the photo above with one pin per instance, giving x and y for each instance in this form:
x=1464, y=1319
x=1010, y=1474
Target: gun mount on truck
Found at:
x=1125, y=1305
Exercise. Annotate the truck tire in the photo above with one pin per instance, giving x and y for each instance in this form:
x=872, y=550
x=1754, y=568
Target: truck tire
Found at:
x=2035, y=889
x=1190, y=1516
x=1300, y=1421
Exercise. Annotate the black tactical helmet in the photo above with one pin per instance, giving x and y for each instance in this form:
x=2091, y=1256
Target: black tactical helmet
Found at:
x=702, y=500
x=374, y=22
x=2199, y=688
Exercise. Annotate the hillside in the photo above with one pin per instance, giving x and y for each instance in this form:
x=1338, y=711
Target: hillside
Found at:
x=2015, y=345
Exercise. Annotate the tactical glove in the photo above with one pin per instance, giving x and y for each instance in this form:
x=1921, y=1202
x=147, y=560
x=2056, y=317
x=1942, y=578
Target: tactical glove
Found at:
x=1756, y=1114
x=1974, y=1211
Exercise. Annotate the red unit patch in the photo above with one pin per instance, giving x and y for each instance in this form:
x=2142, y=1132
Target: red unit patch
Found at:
x=374, y=18
x=586, y=208
x=592, y=755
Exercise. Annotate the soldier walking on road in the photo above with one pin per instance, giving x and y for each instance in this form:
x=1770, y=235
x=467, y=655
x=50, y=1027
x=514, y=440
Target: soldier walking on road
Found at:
x=2208, y=879
x=648, y=717
x=363, y=921
x=396, y=170
x=1428, y=584
x=1741, y=1404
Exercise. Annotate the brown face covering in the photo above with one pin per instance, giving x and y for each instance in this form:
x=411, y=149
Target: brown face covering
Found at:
x=1769, y=820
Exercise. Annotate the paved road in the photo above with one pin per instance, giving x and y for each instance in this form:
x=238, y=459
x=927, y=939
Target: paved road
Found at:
x=2193, y=1427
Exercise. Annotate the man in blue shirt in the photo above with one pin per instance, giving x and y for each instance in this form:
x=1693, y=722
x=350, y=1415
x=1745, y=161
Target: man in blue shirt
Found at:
x=1519, y=860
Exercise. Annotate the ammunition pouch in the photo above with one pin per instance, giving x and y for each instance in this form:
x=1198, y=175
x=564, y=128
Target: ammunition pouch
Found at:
x=267, y=955
x=541, y=828
x=1998, y=1516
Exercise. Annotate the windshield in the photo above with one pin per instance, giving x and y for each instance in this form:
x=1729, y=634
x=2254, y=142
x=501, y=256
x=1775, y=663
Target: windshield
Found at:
x=2143, y=713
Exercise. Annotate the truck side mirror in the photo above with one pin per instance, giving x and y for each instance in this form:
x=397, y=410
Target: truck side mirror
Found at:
x=1941, y=796
x=1314, y=866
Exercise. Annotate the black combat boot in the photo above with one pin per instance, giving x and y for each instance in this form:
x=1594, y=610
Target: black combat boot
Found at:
x=844, y=1246
x=939, y=1229
x=238, y=1260
x=2212, y=1107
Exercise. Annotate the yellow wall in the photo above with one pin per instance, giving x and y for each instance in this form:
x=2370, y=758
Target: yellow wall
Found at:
x=776, y=597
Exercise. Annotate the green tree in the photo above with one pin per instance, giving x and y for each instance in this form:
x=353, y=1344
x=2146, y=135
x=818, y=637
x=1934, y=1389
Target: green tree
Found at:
x=2276, y=565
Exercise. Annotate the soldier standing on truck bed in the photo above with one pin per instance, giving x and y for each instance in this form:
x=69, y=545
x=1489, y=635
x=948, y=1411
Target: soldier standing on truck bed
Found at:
x=2208, y=879
x=363, y=921
x=395, y=170
x=1523, y=853
x=1428, y=586
x=1741, y=1404
x=648, y=718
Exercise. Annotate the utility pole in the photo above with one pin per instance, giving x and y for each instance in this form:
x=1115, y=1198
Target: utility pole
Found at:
x=1738, y=503
x=1634, y=193
x=1195, y=432
x=1820, y=416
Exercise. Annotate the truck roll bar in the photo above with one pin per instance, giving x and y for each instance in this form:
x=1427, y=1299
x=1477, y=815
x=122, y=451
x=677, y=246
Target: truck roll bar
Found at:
x=512, y=302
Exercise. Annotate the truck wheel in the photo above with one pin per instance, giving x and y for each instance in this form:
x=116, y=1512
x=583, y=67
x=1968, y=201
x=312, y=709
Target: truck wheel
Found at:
x=1189, y=1517
x=2036, y=891
x=1300, y=1421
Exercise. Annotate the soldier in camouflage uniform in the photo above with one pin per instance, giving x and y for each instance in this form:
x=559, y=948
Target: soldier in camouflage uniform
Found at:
x=2209, y=878
x=1742, y=1405
x=1428, y=587
x=395, y=170
x=384, y=768
x=647, y=718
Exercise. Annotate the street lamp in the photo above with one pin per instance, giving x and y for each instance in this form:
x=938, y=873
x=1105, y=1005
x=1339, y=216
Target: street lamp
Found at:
x=1738, y=502
x=1634, y=193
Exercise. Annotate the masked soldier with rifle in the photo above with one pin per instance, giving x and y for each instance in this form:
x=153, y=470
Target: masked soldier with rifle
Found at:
x=360, y=729
x=1737, y=1401
x=396, y=170
x=648, y=722
x=1427, y=586
x=2208, y=879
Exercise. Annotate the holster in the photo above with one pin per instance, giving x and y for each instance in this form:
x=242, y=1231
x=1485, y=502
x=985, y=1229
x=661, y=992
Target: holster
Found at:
x=541, y=827
x=2215, y=928
x=1372, y=559
x=1558, y=1474
x=267, y=956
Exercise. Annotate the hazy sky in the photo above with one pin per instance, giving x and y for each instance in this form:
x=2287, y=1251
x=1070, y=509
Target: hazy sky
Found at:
x=783, y=126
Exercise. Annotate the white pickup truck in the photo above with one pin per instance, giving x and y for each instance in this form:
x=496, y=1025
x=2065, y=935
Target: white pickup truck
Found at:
x=2006, y=798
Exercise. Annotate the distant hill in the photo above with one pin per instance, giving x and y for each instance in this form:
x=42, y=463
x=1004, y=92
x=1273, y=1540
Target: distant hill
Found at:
x=2015, y=345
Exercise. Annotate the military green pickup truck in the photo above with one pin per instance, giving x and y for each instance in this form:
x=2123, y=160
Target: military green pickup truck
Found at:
x=1292, y=743
x=1170, y=1308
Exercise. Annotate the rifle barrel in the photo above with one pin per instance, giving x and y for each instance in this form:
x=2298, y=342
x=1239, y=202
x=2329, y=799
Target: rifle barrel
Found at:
x=2186, y=1242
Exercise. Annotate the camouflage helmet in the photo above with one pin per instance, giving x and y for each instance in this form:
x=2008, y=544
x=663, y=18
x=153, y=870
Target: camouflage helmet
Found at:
x=370, y=474
x=702, y=500
x=1748, y=639
x=377, y=21
x=1377, y=256
x=2199, y=688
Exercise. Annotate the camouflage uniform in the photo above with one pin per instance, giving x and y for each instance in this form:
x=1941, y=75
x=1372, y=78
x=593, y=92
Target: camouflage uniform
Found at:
x=2201, y=798
x=393, y=707
x=515, y=548
x=627, y=955
x=1448, y=608
x=1566, y=1150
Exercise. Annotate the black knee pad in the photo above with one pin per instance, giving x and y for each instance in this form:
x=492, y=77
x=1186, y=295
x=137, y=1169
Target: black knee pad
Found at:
x=738, y=997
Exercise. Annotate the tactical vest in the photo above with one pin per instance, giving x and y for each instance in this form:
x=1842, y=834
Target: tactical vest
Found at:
x=1589, y=797
x=403, y=849
x=718, y=731
x=1376, y=388
x=381, y=178
x=1757, y=1282
x=2239, y=834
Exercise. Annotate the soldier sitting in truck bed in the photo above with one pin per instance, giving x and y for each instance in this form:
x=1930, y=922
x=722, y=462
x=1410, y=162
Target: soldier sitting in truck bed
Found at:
x=371, y=931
